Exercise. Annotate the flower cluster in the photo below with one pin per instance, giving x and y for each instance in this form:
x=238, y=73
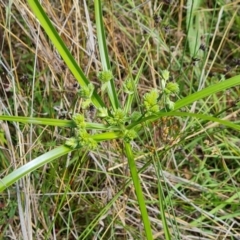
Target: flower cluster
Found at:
x=86, y=93
x=118, y=119
x=129, y=86
x=152, y=100
x=83, y=138
x=105, y=76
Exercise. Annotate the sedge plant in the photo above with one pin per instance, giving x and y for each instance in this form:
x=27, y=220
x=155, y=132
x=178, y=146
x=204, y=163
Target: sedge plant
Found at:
x=115, y=120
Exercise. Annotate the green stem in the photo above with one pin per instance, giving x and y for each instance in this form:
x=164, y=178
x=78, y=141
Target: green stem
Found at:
x=138, y=190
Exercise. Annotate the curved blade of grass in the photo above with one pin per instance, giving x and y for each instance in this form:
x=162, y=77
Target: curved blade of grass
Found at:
x=185, y=114
x=206, y=117
x=231, y=82
x=41, y=121
x=33, y=165
x=62, y=49
x=52, y=122
x=104, y=53
x=138, y=190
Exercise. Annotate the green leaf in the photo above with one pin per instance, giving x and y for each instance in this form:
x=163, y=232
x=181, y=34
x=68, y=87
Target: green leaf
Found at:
x=218, y=87
x=62, y=49
x=138, y=190
x=52, y=122
x=104, y=53
x=33, y=165
x=185, y=114
x=42, y=121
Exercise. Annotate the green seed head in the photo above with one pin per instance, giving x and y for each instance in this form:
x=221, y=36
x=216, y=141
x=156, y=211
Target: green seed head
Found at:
x=129, y=135
x=171, y=88
x=79, y=120
x=128, y=86
x=150, y=101
x=86, y=91
x=105, y=76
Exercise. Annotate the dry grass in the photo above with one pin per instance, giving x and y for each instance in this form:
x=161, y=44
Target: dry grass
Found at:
x=90, y=195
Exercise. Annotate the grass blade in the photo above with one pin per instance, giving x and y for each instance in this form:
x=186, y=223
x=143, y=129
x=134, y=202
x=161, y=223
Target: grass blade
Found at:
x=62, y=49
x=104, y=52
x=218, y=87
x=184, y=114
x=138, y=190
x=51, y=122
x=33, y=165
x=41, y=121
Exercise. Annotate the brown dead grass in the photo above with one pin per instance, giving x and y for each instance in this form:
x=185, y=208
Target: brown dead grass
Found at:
x=79, y=192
